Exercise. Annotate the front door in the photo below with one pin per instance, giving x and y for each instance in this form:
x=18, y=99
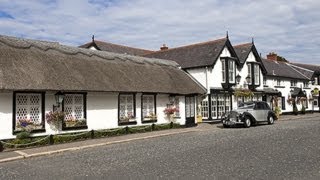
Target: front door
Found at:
x=190, y=111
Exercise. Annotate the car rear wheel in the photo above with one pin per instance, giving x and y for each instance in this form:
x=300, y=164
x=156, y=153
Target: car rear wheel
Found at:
x=247, y=122
x=270, y=120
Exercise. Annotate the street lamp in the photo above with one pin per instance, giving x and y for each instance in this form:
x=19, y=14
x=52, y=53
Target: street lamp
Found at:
x=59, y=96
x=238, y=78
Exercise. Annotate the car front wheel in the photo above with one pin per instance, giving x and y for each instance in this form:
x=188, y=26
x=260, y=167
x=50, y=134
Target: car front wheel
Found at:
x=247, y=122
x=270, y=120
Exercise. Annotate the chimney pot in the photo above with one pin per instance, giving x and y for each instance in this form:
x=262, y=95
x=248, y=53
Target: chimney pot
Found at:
x=164, y=47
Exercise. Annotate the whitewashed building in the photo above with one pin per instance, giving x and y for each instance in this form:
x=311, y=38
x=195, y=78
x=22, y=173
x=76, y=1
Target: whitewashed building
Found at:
x=101, y=90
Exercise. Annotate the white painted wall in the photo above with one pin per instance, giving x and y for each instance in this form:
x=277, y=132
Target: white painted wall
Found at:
x=102, y=112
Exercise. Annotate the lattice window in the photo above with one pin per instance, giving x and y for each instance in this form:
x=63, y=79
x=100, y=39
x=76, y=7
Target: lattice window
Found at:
x=126, y=107
x=221, y=105
x=148, y=109
x=73, y=106
x=228, y=104
x=214, y=106
x=28, y=107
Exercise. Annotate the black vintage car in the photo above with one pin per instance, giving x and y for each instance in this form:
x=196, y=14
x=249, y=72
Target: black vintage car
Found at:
x=249, y=113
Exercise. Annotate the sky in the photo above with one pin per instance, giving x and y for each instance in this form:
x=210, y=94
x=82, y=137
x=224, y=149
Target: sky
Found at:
x=290, y=28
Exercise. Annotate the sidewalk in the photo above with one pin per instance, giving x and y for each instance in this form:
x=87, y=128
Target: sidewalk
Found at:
x=77, y=145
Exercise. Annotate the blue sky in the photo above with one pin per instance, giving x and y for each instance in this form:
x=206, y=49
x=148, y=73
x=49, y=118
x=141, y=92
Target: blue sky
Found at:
x=289, y=28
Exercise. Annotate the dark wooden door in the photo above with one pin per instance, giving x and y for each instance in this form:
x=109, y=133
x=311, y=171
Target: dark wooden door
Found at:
x=190, y=111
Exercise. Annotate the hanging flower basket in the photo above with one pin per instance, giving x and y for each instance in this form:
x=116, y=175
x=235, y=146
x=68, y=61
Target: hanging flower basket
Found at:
x=55, y=119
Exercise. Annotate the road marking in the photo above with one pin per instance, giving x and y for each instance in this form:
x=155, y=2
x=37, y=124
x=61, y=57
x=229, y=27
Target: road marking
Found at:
x=22, y=153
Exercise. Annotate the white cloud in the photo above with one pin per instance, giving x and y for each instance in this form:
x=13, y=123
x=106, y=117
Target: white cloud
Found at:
x=289, y=28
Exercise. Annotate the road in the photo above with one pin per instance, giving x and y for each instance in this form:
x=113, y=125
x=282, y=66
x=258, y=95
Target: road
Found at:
x=285, y=150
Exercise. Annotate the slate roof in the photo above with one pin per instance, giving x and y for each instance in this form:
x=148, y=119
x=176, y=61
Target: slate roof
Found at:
x=315, y=68
x=44, y=66
x=195, y=55
x=110, y=47
x=306, y=72
x=281, y=69
x=243, y=51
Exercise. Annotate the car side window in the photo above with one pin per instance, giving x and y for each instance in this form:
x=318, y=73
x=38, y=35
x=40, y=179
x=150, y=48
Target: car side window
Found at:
x=267, y=106
x=258, y=106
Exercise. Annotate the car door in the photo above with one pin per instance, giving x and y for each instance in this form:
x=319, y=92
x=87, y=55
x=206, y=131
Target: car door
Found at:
x=259, y=111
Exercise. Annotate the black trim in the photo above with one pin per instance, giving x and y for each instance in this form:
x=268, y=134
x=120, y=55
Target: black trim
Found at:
x=227, y=84
x=209, y=105
x=279, y=86
x=43, y=129
x=84, y=112
x=283, y=103
x=154, y=107
x=253, y=84
x=134, y=109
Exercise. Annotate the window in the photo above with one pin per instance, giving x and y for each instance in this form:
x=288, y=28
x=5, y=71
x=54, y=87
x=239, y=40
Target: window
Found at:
x=29, y=111
x=126, y=111
x=148, y=107
x=177, y=106
x=278, y=82
x=228, y=103
x=316, y=80
x=231, y=71
x=221, y=105
x=293, y=83
x=249, y=73
x=264, y=81
x=74, y=109
x=315, y=102
x=256, y=74
x=306, y=84
x=205, y=108
x=283, y=99
x=223, y=64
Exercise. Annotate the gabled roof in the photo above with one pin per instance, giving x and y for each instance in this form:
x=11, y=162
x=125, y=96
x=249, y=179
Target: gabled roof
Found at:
x=243, y=51
x=195, y=55
x=281, y=69
x=110, y=47
x=44, y=66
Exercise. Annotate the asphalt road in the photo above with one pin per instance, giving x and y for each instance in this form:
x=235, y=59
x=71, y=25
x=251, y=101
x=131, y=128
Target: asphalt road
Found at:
x=285, y=150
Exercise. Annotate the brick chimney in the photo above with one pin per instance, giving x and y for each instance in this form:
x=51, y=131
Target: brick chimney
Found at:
x=164, y=47
x=272, y=56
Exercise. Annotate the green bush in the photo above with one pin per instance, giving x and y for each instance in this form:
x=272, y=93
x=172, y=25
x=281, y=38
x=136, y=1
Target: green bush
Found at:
x=139, y=129
x=71, y=137
x=295, y=110
x=23, y=135
x=109, y=132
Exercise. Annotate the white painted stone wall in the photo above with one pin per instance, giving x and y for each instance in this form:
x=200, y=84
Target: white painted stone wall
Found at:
x=102, y=112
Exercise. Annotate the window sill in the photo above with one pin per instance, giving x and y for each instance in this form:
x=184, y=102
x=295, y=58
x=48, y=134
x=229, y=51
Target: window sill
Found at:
x=149, y=121
x=75, y=127
x=293, y=86
x=279, y=86
x=127, y=123
x=32, y=132
x=306, y=88
x=177, y=117
x=265, y=86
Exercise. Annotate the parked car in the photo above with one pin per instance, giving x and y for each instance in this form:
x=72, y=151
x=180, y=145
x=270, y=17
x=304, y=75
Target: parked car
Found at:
x=249, y=113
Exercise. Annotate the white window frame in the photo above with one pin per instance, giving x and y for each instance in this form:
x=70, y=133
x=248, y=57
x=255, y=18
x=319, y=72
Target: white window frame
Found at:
x=256, y=74
x=223, y=70
x=278, y=82
x=205, y=108
x=231, y=71
x=249, y=73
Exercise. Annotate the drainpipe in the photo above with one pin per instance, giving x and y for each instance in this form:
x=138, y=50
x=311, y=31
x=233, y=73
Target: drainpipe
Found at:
x=207, y=79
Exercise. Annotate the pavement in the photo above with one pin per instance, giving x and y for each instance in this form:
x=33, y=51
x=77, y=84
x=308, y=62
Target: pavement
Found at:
x=77, y=145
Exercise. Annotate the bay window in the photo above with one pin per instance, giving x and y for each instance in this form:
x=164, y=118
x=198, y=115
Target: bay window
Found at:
x=223, y=64
x=256, y=74
x=231, y=71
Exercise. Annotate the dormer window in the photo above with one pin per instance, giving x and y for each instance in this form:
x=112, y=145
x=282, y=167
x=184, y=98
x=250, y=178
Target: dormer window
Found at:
x=256, y=74
x=231, y=71
x=249, y=74
x=223, y=70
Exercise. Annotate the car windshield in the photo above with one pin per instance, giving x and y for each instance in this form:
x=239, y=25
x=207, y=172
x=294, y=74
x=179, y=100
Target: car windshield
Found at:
x=246, y=105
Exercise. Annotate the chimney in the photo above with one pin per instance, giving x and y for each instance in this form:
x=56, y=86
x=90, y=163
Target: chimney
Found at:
x=164, y=47
x=272, y=56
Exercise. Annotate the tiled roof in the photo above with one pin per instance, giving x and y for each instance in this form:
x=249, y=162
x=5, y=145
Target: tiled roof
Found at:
x=195, y=55
x=281, y=69
x=306, y=72
x=110, y=47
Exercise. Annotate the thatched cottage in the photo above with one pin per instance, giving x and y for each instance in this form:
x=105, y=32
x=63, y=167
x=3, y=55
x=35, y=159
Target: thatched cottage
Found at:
x=99, y=89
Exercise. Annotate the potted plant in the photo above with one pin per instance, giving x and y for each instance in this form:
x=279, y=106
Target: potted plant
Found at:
x=169, y=111
x=55, y=118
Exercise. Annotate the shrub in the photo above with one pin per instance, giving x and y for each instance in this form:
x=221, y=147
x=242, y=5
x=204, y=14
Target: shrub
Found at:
x=23, y=135
x=295, y=109
x=303, y=110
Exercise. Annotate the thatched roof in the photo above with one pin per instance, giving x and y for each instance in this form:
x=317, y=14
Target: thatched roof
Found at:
x=116, y=48
x=195, y=55
x=39, y=65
